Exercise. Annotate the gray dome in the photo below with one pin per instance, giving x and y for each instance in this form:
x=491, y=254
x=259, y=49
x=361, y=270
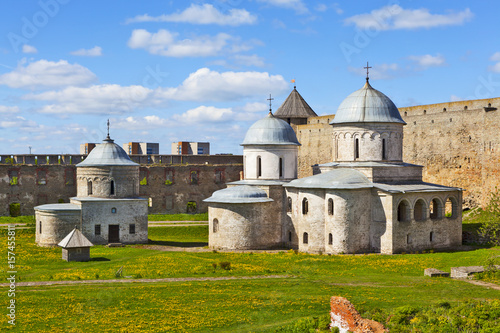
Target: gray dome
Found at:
x=107, y=153
x=342, y=178
x=239, y=194
x=270, y=131
x=367, y=105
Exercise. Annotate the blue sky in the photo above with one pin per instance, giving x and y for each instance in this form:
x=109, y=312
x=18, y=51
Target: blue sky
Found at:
x=165, y=71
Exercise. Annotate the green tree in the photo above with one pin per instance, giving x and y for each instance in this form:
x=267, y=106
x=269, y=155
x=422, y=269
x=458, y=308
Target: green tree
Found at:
x=491, y=227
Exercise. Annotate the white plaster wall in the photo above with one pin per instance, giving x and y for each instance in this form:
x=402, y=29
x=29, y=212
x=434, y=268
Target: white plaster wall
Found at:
x=370, y=137
x=313, y=222
x=126, y=179
x=55, y=226
x=270, y=156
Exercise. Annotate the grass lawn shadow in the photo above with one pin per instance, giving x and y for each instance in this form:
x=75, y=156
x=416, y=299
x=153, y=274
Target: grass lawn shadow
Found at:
x=99, y=259
x=178, y=244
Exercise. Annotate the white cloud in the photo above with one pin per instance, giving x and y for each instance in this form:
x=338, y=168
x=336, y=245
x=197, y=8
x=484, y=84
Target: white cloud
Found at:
x=496, y=67
x=395, y=17
x=141, y=123
x=202, y=14
x=296, y=5
x=249, y=60
x=29, y=49
x=96, y=51
x=204, y=114
x=9, y=109
x=47, y=74
x=427, y=60
x=455, y=98
x=495, y=57
x=378, y=72
x=254, y=107
x=19, y=122
x=97, y=99
x=208, y=85
x=165, y=43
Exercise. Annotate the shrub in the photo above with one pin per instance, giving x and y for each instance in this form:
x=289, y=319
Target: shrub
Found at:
x=13, y=181
x=144, y=181
x=225, y=265
x=490, y=228
x=15, y=209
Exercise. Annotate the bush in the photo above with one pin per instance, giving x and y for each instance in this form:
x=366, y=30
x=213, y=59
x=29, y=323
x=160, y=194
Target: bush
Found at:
x=15, y=209
x=490, y=228
x=225, y=265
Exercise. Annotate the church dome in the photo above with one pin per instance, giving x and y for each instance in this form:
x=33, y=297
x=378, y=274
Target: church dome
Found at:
x=270, y=131
x=239, y=194
x=367, y=105
x=108, y=153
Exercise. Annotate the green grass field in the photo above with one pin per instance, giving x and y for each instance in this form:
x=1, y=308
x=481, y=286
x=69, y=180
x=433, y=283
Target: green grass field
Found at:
x=373, y=283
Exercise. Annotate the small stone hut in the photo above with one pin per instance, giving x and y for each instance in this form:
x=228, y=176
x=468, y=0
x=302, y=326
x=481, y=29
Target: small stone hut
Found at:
x=75, y=246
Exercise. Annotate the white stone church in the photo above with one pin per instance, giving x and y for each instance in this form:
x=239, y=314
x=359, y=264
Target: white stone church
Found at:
x=366, y=200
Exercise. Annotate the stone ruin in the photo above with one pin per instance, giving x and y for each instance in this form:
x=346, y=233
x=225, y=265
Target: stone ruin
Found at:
x=347, y=319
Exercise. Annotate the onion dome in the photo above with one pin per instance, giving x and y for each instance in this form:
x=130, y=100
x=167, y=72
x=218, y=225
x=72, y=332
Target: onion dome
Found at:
x=367, y=105
x=270, y=131
x=342, y=178
x=295, y=107
x=239, y=194
x=108, y=153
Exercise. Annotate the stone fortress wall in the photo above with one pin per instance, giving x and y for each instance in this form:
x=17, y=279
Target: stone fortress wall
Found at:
x=458, y=143
x=169, y=181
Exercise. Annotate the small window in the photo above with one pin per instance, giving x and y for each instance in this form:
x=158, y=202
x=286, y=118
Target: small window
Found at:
x=97, y=229
x=42, y=177
x=215, y=225
x=305, y=238
x=131, y=229
x=289, y=236
x=112, y=188
x=431, y=236
x=384, y=150
x=219, y=176
x=259, y=166
x=40, y=227
x=150, y=202
x=330, y=206
x=330, y=239
x=194, y=177
x=113, y=210
x=408, y=239
x=13, y=177
x=281, y=167
x=289, y=205
x=89, y=187
x=78, y=250
x=356, y=148
x=169, y=177
x=305, y=206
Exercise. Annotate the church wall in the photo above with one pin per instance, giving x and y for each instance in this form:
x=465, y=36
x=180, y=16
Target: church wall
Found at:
x=380, y=228
x=414, y=234
x=125, y=178
x=55, y=226
x=269, y=157
x=312, y=223
x=243, y=226
x=169, y=186
x=127, y=212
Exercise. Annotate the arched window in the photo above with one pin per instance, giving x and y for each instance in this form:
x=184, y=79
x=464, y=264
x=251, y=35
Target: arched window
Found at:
x=419, y=213
x=330, y=206
x=289, y=205
x=384, y=150
x=281, y=167
x=356, y=148
x=403, y=211
x=431, y=236
x=89, y=187
x=113, y=210
x=305, y=206
x=305, y=238
x=408, y=239
x=289, y=236
x=259, y=166
x=215, y=225
x=451, y=208
x=112, y=188
x=435, y=209
x=330, y=239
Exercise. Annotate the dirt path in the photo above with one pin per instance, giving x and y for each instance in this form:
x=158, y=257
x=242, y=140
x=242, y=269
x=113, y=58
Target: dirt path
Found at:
x=482, y=284
x=124, y=280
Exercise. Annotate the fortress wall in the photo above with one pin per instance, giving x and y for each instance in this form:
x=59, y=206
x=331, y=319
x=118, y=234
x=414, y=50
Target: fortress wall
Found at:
x=458, y=143
x=41, y=184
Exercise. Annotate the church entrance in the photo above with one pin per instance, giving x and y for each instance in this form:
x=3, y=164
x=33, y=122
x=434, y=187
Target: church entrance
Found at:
x=114, y=233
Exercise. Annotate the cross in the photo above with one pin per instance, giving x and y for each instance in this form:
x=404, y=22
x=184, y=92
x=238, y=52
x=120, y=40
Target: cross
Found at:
x=367, y=69
x=270, y=105
x=108, y=128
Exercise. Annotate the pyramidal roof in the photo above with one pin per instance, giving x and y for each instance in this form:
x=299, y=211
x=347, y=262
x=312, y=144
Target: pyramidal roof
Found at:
x=75, y=239
x=295, y=107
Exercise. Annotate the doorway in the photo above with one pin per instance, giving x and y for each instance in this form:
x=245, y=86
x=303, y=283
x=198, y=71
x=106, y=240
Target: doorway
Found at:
x=114, y=233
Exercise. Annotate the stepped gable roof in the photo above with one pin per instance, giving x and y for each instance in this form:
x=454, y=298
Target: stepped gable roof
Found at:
x=367, y=105
x=75, y=239
x=270, y=131
x=239, y=194
x=295, y=107
x=108, y=153
x=335, y=179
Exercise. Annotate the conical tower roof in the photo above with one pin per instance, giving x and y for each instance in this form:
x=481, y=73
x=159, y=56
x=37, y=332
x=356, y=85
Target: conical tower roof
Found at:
x=295, y=107
x=108, y=153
